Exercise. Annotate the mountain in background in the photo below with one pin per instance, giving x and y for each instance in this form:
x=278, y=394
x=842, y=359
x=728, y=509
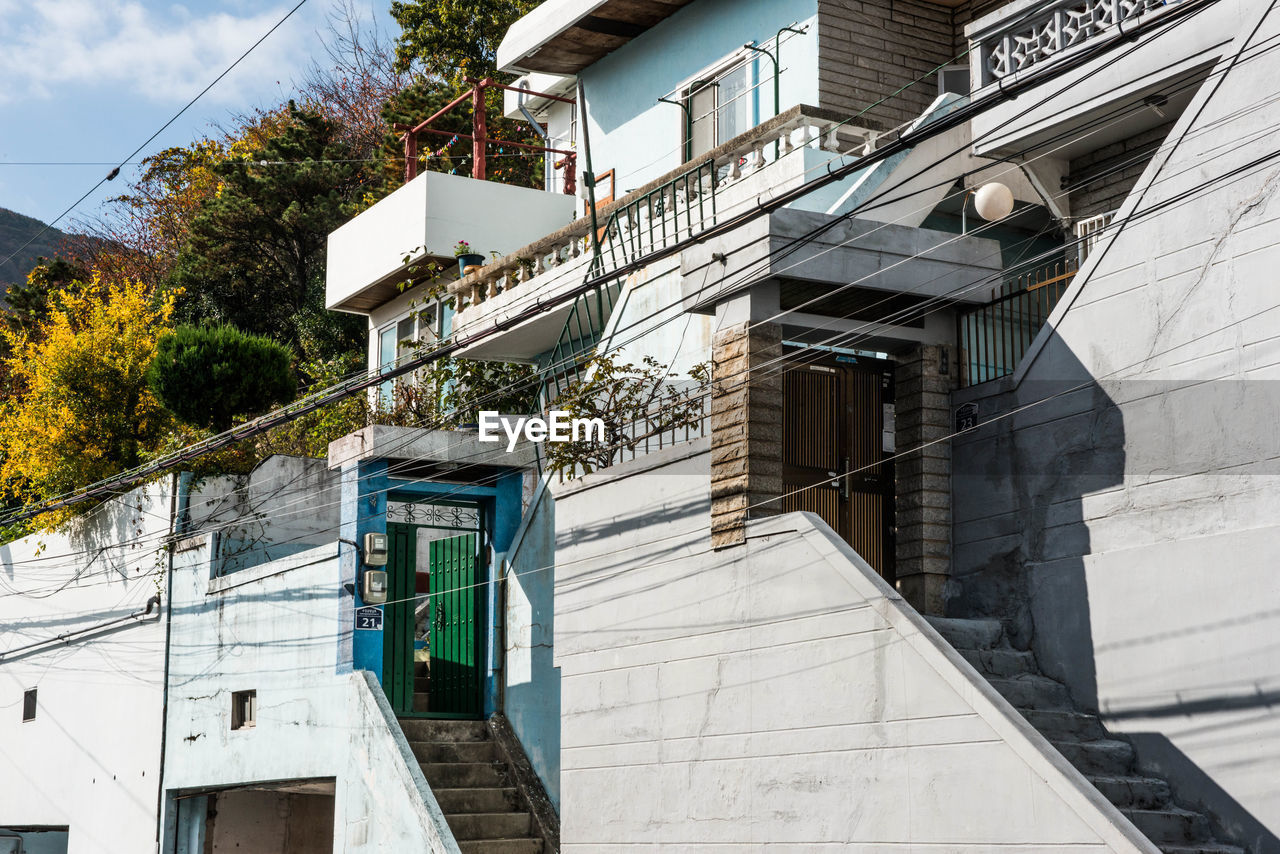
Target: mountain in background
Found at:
x=15, y=230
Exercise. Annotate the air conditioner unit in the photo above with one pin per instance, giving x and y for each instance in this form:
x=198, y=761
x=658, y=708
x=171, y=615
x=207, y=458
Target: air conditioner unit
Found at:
x=954, y=79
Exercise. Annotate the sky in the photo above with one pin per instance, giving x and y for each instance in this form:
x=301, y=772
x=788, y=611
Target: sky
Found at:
x=90, y=80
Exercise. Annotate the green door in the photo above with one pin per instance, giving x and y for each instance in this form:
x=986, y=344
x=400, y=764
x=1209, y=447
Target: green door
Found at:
x=455, y=627
x=398, y=617
x=449, y=684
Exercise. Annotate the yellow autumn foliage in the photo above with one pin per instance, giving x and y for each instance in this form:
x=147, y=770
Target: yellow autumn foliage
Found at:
x=80, y=409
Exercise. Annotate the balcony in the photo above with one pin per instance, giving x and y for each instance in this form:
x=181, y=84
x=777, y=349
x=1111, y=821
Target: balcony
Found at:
x=1162, y=67
x=423, y=220
x=776, y=156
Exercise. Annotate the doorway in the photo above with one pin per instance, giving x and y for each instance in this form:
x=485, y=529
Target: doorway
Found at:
x=837, y=438
x=433, y=646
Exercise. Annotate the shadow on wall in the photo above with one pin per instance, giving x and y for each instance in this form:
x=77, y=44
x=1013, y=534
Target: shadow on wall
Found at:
x=1098, y=520
x=1020, y=531
x=1159, y=756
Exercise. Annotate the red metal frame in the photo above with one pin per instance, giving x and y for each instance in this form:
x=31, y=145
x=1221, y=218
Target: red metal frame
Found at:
x=480, y=134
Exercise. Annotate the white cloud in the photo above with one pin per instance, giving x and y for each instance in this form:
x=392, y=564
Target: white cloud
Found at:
x=163, y=55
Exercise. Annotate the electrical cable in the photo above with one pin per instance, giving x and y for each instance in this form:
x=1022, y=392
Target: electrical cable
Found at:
x=110, y=176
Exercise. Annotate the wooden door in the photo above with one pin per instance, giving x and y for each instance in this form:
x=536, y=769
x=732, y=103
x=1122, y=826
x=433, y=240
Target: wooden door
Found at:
x=836, y=414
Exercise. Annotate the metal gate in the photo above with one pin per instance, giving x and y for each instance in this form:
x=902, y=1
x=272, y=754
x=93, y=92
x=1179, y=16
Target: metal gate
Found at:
x=837, y=430
x=433, y=646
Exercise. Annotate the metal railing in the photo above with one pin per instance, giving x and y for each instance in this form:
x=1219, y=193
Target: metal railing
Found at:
x=1008, y=47
x=675, y=206
x=994, y=337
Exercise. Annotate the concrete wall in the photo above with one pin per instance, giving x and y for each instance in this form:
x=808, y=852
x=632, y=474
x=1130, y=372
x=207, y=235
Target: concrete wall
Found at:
x=427, y=217
x=90, y=760
x=284, y=506
x=1125, y=518
x=274, y=628
x=642, y=139
x=776, y=695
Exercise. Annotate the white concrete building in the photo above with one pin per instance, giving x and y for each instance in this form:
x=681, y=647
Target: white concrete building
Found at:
x=964, y=548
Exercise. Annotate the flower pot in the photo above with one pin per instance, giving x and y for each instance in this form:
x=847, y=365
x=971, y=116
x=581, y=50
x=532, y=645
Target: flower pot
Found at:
x=465, y=261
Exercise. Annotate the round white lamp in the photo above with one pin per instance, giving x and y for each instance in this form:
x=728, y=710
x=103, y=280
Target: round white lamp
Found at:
x=993, y=201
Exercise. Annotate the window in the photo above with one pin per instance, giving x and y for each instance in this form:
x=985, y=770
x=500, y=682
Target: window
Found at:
x=29, y=705
x=404, y=338
x=244, y=709
x=721, y=106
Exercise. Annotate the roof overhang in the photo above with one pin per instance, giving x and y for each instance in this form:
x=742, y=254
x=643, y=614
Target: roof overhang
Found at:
x=566, y=36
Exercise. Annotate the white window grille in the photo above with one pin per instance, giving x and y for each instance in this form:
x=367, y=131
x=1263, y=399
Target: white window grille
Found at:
x=1089, y=232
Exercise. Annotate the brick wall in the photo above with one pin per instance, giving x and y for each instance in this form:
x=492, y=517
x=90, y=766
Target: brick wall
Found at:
x=923, y=383
x=746, y=430
x=869, y=49
x=1116, y=167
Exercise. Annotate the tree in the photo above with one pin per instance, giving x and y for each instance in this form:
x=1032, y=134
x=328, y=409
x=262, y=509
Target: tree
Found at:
x=454, y=39
x=206, y=376
x=29, y=302
x=84, y=412
x=254, y=254
x=637, y=403
x=451, y=392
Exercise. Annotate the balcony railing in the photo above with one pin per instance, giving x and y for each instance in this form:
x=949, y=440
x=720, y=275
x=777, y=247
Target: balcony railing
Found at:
x=1020, y=42
x=674, y=207
x=994, y=337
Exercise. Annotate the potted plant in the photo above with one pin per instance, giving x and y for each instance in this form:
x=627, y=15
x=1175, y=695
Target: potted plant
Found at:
x=466, y=257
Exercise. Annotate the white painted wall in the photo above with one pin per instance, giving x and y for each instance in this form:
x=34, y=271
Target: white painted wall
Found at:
x=1130, y=527
x=90, y=760
x=284, y=506
x=777, y=696
x=274, y=628
x=428, y=216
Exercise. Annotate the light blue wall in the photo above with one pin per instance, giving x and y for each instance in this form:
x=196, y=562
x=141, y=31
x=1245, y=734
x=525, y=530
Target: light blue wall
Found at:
x=532, y=680
x=641, y=138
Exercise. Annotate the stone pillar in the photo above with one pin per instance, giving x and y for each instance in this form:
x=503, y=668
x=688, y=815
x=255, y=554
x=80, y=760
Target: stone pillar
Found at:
x=923, y=383
x=746, y=429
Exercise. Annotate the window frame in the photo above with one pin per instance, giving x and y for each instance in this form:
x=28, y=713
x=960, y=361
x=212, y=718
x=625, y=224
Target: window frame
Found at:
x=712, y=77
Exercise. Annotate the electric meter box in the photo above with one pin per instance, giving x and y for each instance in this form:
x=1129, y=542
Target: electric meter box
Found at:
x=375, y=549
x=373, y=587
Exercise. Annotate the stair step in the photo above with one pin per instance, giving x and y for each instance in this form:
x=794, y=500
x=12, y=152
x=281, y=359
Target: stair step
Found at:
x=1103, y=757
x=421, y=729
x=1175, y=826
x=969, y=634
x=501, y=846
x=485, y=799
x=1032, y=692
x=421, y=684
x=1000, y=662
x=488, y=825
x=1138, y=793
x=1065, y=724
x=453, y=751
x=464, y=775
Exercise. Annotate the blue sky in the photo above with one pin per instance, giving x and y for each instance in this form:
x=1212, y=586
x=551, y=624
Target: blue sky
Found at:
x=89, y=80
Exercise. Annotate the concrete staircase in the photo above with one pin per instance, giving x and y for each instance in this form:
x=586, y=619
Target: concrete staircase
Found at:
x=474, y=786
x=1106, y=760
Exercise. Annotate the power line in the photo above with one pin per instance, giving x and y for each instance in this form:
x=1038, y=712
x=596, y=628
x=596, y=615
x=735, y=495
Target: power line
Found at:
x=110, y=176
x=904, y=142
